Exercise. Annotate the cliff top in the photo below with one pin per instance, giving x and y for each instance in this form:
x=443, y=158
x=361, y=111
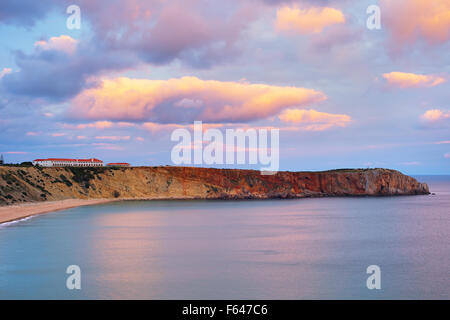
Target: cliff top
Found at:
x=27, y=184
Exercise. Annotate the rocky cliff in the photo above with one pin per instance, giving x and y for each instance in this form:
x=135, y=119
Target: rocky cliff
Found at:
x=28, y=184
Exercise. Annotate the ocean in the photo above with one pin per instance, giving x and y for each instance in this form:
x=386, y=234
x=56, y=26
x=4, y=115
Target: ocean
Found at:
x=318, y=248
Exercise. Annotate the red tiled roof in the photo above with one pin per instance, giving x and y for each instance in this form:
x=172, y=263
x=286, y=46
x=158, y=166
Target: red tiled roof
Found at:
x=70, y=160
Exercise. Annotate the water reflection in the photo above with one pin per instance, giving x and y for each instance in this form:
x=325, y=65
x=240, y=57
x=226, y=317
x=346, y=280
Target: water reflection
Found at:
x=293, y=249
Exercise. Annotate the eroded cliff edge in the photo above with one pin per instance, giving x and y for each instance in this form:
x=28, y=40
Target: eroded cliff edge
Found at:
x=30, y=184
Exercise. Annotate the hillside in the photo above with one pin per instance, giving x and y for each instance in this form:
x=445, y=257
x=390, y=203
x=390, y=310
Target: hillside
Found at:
x=30, y=184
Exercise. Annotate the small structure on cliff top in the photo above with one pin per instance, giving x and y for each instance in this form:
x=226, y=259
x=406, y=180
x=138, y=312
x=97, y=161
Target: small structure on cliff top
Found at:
x=118, y=164
x=2, y=161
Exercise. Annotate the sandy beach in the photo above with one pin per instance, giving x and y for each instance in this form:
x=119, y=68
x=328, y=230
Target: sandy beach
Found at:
x=16, y=212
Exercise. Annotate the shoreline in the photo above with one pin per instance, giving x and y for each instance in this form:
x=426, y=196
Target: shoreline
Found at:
x=21, y=211
x=17, y=212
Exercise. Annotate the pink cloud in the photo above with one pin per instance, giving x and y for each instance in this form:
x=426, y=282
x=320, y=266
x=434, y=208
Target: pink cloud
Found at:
x=123, y=124
x=435, y=115
x=411, y=80
x=312, y=120
x=409, y=21
x=113, y=138
x=125, y=99
x=62, y=43
x=5, y=71
x=304, y=21
x=33, y=133
x=94, y=125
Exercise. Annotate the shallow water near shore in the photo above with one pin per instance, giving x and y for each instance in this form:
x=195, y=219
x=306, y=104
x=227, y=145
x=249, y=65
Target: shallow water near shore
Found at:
x=271, y=249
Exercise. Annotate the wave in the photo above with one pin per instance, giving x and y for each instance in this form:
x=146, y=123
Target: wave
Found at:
x=8, y=223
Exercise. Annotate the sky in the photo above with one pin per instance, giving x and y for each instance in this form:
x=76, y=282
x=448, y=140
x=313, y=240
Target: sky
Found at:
x=342, y=95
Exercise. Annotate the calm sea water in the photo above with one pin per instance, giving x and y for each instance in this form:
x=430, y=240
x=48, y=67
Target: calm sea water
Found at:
x=280, y=249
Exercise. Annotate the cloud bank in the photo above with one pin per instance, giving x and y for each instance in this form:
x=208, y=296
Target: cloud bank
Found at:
x=183, y=100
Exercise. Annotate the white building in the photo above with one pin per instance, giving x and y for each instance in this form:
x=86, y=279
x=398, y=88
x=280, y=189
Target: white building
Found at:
x=58, y=162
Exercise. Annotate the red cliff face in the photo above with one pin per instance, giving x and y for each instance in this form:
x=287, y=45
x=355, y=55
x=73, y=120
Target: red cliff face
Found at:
x=40, y=184
x=251, y=184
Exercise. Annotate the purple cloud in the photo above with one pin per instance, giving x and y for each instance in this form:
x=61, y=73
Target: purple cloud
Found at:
x=196, y=32
x=25, y=12
x=56, y=74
